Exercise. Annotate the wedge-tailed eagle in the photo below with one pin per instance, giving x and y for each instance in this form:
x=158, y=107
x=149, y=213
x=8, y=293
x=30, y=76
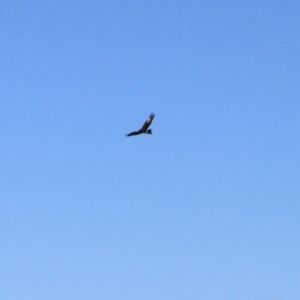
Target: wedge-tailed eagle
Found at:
x=145, y=127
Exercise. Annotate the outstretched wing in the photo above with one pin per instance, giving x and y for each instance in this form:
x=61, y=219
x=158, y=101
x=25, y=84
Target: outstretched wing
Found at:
x=148, y=122
x=132, y=133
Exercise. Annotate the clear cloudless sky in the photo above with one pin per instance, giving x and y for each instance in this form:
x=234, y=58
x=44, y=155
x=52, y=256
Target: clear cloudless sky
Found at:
x=205, y=208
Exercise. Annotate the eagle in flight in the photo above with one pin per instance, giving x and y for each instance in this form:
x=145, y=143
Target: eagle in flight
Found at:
x=145, y=127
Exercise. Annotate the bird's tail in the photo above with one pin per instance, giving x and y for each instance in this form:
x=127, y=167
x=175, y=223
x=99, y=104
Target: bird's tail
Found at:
x=149, y=131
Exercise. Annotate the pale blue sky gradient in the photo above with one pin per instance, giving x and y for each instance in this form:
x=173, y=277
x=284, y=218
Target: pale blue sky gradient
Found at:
x=205, y=208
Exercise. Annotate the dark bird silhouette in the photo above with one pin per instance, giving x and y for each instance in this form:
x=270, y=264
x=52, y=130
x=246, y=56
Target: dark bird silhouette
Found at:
x=145, y=127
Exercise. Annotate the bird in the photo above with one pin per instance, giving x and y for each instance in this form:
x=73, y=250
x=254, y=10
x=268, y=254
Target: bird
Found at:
x=145, y=127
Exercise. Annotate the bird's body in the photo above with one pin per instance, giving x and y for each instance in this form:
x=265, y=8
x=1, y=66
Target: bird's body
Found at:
x=144, y=128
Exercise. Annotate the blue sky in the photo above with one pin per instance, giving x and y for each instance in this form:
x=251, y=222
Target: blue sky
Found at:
x=205, y=208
